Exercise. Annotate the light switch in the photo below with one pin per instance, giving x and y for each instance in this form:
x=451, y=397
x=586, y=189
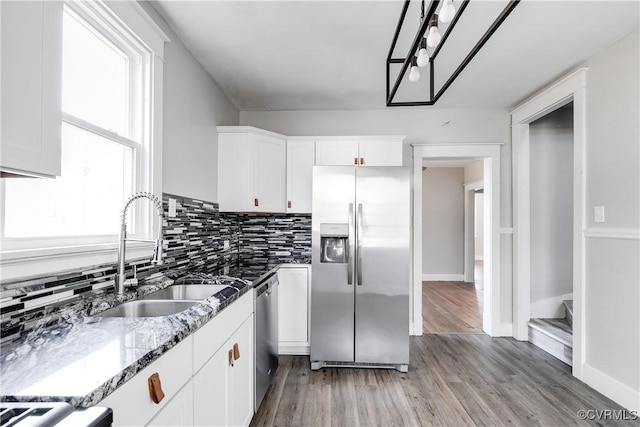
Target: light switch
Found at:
x=172, y=208
x=225, y=244
x=598, y=214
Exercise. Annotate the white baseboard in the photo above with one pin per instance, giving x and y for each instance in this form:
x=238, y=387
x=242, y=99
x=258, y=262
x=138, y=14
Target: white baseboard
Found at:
x=550, y=308
x=612, y=388
x=294, y=349
x=506, y=330
x=443, y=277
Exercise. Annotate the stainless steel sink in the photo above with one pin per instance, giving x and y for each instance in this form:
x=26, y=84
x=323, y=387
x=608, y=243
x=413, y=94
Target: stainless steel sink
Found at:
x=141, y=308
x=185, y=292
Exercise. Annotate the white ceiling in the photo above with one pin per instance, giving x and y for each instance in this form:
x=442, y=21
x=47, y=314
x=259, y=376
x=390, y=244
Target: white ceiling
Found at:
x=308, y=55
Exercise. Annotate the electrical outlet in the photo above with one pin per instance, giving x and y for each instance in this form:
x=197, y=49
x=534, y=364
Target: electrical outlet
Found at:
x=172, y=208
x=598, y=214
x=225, y=244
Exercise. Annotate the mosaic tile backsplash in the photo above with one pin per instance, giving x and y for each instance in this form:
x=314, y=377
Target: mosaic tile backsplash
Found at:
x=194, y=240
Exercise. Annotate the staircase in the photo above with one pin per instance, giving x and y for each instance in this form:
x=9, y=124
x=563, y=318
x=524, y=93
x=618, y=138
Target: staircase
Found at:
x=555, y=336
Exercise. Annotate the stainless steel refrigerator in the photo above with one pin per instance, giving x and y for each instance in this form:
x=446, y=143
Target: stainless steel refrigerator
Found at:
x=361, y=267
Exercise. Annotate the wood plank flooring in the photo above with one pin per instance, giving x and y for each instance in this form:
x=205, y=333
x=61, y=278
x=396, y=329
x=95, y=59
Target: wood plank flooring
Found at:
x=453, y=380
x=451, y=307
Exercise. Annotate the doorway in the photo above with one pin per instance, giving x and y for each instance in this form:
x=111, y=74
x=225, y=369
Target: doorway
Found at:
x=452, y=302
x=490, y=155
x=570, y=89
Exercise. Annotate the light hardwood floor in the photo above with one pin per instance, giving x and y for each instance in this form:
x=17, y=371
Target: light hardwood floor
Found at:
x=453, y=307
x=453, y=380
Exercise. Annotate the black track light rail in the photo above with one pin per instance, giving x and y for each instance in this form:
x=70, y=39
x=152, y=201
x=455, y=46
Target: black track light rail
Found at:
x=433, y=97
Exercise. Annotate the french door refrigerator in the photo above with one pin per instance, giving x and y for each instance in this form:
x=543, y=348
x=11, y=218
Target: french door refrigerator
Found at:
x=361, y=266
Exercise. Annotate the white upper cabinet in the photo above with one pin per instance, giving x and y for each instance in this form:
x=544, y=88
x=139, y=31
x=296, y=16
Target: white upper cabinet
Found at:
x=361, y=151
x=336, y=152
x=300, y=161
x=251, y=170
x=31, y=79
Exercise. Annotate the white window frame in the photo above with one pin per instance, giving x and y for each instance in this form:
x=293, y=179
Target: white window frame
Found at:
x=124, y=24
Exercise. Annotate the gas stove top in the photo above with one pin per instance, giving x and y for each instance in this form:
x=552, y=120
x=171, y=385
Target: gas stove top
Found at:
x=59, y=414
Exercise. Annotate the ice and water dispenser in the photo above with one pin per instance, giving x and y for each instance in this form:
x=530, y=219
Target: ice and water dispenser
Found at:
x=334, y=243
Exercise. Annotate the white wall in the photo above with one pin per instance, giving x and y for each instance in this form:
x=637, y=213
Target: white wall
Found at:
x=443, y=223
x=474, y=172
x=193, y=106
x=551, y=186
x=612, y=248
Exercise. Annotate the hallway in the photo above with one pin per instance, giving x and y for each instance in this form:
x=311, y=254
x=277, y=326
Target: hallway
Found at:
x=453, y=307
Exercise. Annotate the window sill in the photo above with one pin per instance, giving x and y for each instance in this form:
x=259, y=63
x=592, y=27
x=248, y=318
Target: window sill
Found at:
x=23, y=264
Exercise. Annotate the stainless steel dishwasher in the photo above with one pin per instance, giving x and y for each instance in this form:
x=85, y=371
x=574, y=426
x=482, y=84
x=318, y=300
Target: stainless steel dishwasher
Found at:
x=266, y=334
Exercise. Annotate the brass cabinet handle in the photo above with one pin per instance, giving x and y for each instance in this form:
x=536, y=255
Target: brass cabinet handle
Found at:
x=255, y=202
x=231, y=357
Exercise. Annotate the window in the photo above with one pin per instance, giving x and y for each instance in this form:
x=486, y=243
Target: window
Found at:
x=107, y=150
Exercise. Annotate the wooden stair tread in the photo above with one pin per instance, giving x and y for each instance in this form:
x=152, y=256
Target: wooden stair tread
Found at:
x=559, y=329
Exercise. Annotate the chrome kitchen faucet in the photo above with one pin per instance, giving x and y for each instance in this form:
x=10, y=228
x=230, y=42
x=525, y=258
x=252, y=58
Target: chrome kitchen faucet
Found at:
x=121, y=277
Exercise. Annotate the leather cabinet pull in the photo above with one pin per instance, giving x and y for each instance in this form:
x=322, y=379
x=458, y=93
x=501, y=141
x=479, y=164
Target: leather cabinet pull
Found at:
x=355, y=160
x=236, y=351
x=155, y=388
x=362, y=160
x=231, y=357
x=255, y=202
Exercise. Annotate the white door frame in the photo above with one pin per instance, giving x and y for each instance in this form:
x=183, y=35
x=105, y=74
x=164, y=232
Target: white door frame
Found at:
x=490, y=152
x=469, y=228
x=570, y=88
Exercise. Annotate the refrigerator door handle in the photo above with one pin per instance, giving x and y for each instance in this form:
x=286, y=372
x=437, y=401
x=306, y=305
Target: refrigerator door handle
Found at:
x=358, y=246
x=350, y=255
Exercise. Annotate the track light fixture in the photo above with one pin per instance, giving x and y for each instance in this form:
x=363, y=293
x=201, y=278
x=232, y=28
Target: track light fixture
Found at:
x=429, y=36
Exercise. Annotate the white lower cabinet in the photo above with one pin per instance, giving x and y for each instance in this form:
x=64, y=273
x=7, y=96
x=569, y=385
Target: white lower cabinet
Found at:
x=131, y=403
x=207, y=378
x=293, y=309
x=178, y=411
x=223, y=388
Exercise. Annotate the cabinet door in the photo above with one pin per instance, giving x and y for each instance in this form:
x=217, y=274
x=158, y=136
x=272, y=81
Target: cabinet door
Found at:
x=240, y=389
x=234, y=176
x=293, y=310
x=336, y=152
x=300, y=160
x=131, y=403
x=268, y=169
x=380, y=153
x=31, y=79
x=210, y=397
x=179, y=411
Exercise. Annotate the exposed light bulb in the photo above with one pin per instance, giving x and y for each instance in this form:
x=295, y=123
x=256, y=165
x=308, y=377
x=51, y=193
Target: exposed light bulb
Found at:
x=434, y=37
x=423, y=57
x=447, y=11
x=414, y=74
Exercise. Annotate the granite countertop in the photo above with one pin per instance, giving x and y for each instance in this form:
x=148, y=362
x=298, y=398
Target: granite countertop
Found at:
x=83, y=359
